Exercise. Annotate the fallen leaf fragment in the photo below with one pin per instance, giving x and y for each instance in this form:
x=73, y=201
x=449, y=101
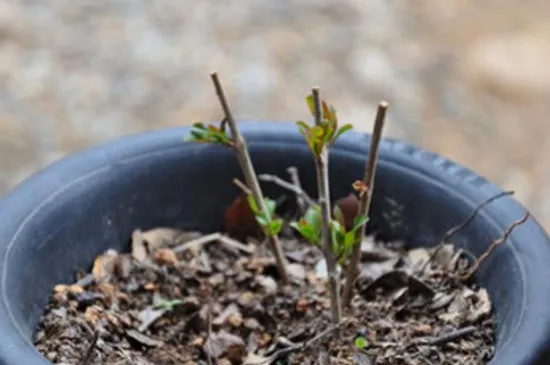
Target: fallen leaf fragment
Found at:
x=224, y=344
x=232, y=310
x=143, y=339
x=72, y=289
x=146, y=242
x=148, y=316
x=111, y=263
x=297, y=271
x=166, y=257
x=104, y=264
x=482, y=307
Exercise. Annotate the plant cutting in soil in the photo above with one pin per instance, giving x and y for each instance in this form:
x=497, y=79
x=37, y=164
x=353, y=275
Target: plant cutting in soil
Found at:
x=268, y=289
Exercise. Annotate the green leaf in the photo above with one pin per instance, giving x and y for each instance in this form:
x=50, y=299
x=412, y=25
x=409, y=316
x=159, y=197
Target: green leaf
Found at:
x=214, y=129
x=360, y=342
x=313, y=218
x=338, y=234
x=307, y=231
x=327, y=115
x=196, y=135
x=327, y=136
x=252, y=204
x=275, y=227
x=261, y=219
x=344, y=129
x=349, y=241
x=338, y=215
x=303, y=125
x=167, y=304
x=310, y=104
x=317, y=132
x=199, y=125
x=359, y=220
x=270, y=205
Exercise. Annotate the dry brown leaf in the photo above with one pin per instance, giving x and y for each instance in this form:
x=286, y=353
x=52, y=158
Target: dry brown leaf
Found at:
x=73, y=289
x=143, y=339
x=224, y=344
x=146, y=242
x=224, y=317
x=297, y=271
x=166, y=257
x=482, y=307
x=92, y=314
x=105, y=264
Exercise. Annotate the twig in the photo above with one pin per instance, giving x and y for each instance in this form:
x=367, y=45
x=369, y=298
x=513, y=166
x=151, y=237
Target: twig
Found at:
x=198, y=242
x=300, y=199
x=249, y=173
x=297, y=347
x=321, y=167
x=223, y=239
x=451, y=232
x=242, y=186
x=87, y=359
x=365, y=201
x=296, y=189
x=236, y=245
x=209, y=333
x=490, y=249
x=443, y=339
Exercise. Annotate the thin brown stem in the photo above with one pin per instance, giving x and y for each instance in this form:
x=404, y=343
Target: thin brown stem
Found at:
x=300, y=200
x=296, y=189
x=471, y=271
x=321, y=167
x=451, y=232
x=249, y=174
x=242, y=186
x=365, y=201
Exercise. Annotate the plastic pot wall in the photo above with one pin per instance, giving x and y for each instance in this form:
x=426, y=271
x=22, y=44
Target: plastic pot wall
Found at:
x=61, y=218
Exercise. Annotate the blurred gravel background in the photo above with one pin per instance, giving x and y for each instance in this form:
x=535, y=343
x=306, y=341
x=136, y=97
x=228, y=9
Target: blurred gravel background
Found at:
x=468, y=79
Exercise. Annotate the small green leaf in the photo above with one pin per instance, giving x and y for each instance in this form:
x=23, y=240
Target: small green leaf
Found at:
x=252, y=204
x=341, y=131
x=275, y=227
x=199, y=125
x=270, y=205
x=261, y=219
x=303, y=125
x=359, y=220
x=338, y=215
x=317, y=132
x=361, y=343
x=306, y=230
x=313, y=218
x=196, y=135
x=167, y=304
x=327, y=115
x=338, y=234
x=214, y=129
x=349, y=241
x=310, y=104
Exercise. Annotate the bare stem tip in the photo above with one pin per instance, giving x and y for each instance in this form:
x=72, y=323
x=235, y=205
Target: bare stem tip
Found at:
x=383, y=104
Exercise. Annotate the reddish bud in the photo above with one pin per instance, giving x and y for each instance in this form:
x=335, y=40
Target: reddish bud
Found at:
x=349, y=206
x=239, y=220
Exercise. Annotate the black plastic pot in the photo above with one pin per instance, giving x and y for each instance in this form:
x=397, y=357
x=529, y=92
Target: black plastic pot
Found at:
x=64, y=216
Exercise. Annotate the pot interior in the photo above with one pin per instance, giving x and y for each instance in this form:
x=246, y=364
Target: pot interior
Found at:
x=189, y=186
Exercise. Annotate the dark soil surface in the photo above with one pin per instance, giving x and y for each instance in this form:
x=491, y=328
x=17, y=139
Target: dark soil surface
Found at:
x=184, y=298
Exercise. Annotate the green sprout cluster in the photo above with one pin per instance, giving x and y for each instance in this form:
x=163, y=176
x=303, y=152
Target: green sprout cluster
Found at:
x=270, y=225
x=327, y=132
x=343, y=241
x=318, y=138
x=213, y=134
x=209, y=134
